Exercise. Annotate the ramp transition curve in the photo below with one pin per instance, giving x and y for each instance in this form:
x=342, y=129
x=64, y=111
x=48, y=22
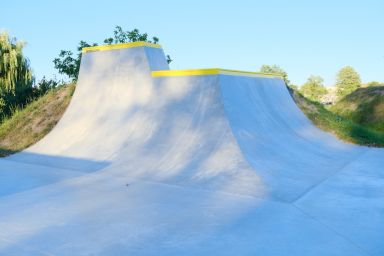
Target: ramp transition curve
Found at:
x=152, y=161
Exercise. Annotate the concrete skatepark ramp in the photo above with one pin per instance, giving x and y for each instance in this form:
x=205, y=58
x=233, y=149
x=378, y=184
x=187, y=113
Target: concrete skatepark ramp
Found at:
x=151, y=161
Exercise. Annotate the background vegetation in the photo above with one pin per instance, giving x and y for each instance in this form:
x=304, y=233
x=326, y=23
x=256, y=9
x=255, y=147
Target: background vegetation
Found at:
x=15, y=74
x=17, y=86
x=364, y=106
x=28, y=125
x=342, y=126
x=275, y=69
x=29, y=109
x=352, y=111
x=68, y=63
x=347, y=81
x=314, y=88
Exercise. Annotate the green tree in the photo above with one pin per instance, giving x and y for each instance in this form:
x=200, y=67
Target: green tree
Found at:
x=374, y=83
x=314, y=88
x=347, y=81
x=121, y=36
x=44, y=85
x=294, y=87
x=274, y=69
x=16, y=79
x=68, y=63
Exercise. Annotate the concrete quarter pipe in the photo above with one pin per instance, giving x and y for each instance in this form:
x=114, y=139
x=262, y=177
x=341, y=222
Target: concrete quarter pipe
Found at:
x=150, y=161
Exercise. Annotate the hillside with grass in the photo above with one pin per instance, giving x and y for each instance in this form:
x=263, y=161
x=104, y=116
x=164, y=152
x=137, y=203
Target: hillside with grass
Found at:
x=28, y=125
x=364, y=106
x=349, y=119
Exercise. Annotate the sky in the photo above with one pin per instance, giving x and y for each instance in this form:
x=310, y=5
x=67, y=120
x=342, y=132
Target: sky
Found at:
x=303, y=37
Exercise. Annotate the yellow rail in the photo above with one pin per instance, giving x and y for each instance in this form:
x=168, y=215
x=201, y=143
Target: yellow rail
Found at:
x=119, y=46
x=210, y=71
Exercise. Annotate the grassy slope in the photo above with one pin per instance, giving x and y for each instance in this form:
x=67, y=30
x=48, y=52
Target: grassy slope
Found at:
x=359, y=118
x=364, y=106
x=340, y=125
x=29, y=125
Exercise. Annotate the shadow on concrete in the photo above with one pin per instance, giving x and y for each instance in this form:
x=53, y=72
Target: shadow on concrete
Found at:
x=39, y=170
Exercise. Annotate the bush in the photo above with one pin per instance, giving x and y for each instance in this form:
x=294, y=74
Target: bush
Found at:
x=44, y=85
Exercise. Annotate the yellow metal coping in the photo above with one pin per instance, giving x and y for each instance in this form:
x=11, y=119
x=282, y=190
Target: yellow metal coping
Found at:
x=188, y=72
x=119, y=46
x=210, y=71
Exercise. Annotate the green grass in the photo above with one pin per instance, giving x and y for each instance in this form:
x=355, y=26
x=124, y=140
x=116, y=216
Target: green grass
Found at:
x=27, y=126
x=364, y=106
x=342, y=126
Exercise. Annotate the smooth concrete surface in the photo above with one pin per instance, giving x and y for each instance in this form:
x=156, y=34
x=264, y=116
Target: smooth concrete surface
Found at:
x=188, y=165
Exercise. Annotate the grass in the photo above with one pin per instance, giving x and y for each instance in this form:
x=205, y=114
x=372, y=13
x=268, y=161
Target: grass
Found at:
x=364, y=106
x=340, y=124
x=27, y=126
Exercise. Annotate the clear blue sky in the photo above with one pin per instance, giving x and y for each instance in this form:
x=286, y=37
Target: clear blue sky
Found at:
x=303, y=37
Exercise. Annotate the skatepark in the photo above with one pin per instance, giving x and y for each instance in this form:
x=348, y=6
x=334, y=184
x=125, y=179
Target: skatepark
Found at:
x=152, y=161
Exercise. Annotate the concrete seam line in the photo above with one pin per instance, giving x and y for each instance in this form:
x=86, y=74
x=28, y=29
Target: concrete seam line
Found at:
x=328, y=177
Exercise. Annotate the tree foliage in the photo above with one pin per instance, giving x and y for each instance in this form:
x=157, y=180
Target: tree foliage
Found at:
x=44, y=86
x=274, y=69
x=121, y=36
x=16, y=79
x=68, y=63
x=314, y=88
x=347, y=81
x=374, y=83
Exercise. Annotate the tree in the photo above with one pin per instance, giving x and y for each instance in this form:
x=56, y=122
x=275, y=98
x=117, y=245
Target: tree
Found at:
x=121, y=36
x=274, y=69
x=68, y=63
x=293, y=87
x=16, y=77
x=44, y=85
x=347, y=81
x=314, y=88
x=374, y=83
